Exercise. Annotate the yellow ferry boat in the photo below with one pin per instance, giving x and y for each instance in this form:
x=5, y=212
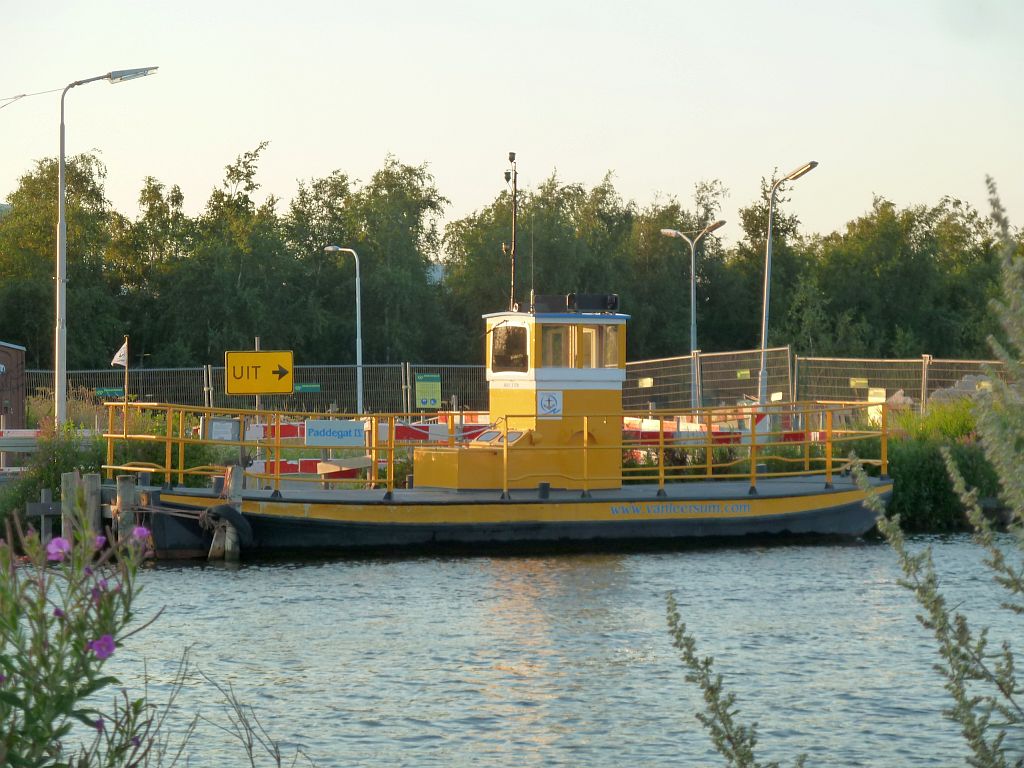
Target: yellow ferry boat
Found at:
x=558, y=462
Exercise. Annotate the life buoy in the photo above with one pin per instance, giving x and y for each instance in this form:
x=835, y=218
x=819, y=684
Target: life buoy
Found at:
x=229, y=514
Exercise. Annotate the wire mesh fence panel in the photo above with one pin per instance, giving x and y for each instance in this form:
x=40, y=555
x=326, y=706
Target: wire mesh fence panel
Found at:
x=832, y=378
x=166, y=385
x=318, y=388
x=467, y=383
x=728, y=378
x=653, y=384
x=950, y=379
x=327, y=389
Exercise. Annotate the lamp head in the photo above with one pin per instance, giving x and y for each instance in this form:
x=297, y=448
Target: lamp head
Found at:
x=671, y=233
x=717, y=225
x=332, y=249
x=796, y=173
x=121, y=75
x=508, y=176
x=511, y=157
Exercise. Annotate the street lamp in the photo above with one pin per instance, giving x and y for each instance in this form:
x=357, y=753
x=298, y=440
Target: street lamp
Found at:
x=60, y=389
x=762, y=378
x=359, y=326
x=693, y=291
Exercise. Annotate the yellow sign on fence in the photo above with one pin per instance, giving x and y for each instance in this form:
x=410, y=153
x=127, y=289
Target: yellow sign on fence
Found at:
x=259, y=373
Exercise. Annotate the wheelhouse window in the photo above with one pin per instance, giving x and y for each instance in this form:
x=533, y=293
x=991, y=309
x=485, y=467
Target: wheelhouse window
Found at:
x=598, y=346
x=554, y=346
x=589, y=346
x=610, y=346
x=509, y=349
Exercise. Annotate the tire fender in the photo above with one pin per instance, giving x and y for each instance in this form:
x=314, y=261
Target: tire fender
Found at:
x=229, y=514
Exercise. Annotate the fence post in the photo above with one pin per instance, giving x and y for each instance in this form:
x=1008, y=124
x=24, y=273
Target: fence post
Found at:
x=789, y=372
x=125, y=504
x=796, y=378
x=699, y=373
x=926, y=360
x=68, y=499
x=93, y=508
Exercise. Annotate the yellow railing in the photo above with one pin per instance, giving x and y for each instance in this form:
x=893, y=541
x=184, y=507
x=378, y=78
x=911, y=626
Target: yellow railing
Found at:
x=176, y=443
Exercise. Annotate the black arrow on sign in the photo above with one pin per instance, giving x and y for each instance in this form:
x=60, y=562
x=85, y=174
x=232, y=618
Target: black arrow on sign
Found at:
x=281, y=372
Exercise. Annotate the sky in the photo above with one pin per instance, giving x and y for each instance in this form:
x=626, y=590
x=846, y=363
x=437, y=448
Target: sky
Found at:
x=908, y=100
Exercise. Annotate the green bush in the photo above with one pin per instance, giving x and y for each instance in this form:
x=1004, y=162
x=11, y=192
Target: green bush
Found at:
x=57, y=452
x=949, y=421
x=923, y=495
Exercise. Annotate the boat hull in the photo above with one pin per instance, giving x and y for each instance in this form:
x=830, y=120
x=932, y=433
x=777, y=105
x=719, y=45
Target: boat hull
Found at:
x=422, y=519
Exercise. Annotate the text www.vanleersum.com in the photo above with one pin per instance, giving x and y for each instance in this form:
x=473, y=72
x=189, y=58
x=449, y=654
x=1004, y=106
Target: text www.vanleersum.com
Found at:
x=674, y=508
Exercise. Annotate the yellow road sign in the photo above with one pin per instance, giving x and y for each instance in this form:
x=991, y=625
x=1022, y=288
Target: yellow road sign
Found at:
x=259, y=373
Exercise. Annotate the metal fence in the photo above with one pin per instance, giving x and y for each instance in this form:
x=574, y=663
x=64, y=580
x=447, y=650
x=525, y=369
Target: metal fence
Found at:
x=919, y=380
x=723, y=378
x=323, y=388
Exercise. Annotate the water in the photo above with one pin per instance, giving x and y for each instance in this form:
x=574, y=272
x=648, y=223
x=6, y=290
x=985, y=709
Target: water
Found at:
x=562, y=660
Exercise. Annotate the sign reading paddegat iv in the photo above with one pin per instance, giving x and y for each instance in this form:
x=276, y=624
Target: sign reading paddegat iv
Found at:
x=335, y=432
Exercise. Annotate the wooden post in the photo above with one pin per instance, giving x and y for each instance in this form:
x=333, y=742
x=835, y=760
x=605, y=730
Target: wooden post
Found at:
x=125, y=505
x=232, y=549
x=45, y=522
x=68, y=499
x=93, y=509
x=217, y=545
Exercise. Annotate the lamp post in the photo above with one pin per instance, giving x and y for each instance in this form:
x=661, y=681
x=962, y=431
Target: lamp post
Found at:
x=359, y=326
x=60, y=388
x=762, y=377
x=693, y=292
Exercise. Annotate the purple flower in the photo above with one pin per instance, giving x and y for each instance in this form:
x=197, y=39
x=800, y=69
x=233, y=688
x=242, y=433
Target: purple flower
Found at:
x=103, y=647
x=87, y=570
x=99, y=725
x=136, y=741
x=57, y=548
x=58, y=613
x=3, y=679
x=99, y=541
x=140, y=532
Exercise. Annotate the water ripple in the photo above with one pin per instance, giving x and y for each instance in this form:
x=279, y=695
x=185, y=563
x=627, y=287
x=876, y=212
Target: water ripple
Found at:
x=562, y=660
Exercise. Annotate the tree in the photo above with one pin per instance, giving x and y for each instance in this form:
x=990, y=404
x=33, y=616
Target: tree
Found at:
x=27, y=263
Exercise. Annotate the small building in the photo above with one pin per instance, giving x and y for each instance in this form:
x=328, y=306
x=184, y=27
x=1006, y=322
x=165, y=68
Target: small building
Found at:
x=12, y=385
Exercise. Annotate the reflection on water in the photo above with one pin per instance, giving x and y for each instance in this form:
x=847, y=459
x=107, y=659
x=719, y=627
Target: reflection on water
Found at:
x=560, y=660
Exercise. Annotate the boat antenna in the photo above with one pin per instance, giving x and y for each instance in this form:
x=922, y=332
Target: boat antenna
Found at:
x=533, y=258
x=512, y=178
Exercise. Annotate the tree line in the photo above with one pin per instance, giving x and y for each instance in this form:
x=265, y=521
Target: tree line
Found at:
x=896, y=282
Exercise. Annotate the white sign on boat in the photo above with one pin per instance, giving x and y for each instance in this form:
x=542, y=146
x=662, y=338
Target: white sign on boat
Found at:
x=334, y=432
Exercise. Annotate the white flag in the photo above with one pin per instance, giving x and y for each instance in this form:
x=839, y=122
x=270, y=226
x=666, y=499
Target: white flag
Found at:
x=121, y=358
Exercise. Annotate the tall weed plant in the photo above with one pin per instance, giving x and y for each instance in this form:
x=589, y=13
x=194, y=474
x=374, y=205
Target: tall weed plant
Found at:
x=986, y=698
